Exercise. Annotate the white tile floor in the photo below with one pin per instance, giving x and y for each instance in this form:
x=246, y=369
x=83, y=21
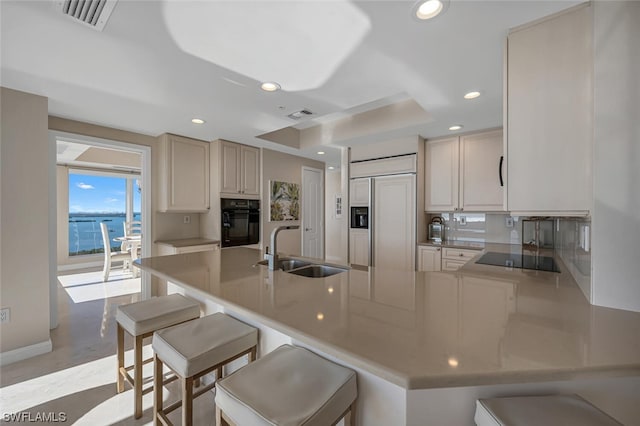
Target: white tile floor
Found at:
x=78, y=376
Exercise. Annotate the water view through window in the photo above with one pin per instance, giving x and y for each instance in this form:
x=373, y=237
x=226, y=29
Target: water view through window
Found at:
x=94, y=199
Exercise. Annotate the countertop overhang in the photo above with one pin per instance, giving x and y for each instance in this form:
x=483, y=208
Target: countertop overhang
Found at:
x=478, y=326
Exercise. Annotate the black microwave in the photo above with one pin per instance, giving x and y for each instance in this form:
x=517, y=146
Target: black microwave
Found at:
x=360, y=217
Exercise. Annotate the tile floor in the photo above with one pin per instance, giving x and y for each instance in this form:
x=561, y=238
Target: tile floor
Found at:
x=78, y=376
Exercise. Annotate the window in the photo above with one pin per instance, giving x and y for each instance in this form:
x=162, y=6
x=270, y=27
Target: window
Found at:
x=96, y=197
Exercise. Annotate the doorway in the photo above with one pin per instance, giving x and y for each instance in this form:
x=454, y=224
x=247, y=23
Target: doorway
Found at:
x=102, y=160
x=312, y=213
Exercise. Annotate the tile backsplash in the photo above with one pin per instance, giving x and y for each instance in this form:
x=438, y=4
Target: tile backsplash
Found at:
x=481, y=227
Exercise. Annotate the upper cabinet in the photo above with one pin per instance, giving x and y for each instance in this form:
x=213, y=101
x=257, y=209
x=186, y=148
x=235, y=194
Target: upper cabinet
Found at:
x=359, y=192
x=465, y=173
x=239, y=170
x=549, y=115
x=184, y=174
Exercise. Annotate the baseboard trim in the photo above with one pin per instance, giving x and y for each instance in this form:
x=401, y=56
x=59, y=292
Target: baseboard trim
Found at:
x=25, y=352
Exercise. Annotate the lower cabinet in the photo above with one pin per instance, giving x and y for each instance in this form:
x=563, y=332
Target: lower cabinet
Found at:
x=454, y=258
x=429, y=258
x=359, y=247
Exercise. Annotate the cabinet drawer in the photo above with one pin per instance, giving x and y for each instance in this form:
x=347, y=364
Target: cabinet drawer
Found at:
x=452, y=265
x=458, y=254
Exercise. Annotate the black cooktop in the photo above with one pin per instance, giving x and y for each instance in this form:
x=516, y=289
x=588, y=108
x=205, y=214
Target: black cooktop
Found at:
x=524, y=261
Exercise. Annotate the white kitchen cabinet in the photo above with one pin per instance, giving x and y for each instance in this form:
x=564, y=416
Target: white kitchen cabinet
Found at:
x=429, y=258
x=454, y=258
x=184, y=174
x=441, y=175
x=359, y=192
x=481, y=167
x=239, y=170
x=464, y=173
x=549, y=106
x=359, y=247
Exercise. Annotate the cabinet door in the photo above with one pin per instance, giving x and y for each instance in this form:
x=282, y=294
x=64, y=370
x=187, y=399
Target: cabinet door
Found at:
x=359, y=192
x=441, y=175
x=230, y=168
x=250, y=170
x=394, y=218
x=359, y=247
x=481, y=162
x=549, y=115
x=187, y=175
x=429, y=258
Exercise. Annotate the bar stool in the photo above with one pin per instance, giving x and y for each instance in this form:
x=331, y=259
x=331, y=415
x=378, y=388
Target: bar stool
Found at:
x=194, y=349
x=550, y=410
x=289, y=386
x=140, y=320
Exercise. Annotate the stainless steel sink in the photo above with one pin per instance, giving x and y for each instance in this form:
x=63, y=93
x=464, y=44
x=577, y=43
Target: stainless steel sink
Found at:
x=317, y=271
x=287, y=264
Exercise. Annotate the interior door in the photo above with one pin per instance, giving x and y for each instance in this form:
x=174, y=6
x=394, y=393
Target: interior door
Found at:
x=312, y=213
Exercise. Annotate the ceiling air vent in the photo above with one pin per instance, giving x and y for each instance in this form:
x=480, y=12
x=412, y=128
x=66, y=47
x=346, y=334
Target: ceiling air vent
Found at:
x=92, y=13
x=299, y=114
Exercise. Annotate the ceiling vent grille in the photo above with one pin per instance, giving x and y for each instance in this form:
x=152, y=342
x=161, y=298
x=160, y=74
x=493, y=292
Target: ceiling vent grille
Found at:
x=299, y=114
x=92, y=13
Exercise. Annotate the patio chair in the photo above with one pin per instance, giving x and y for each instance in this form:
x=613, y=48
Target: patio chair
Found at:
x=110, y=256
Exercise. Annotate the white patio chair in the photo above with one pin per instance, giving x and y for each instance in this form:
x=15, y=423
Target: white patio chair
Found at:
x=110, y=256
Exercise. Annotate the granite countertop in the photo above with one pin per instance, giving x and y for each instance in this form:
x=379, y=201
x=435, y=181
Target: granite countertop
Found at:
x=477, y=326
x=187, y=242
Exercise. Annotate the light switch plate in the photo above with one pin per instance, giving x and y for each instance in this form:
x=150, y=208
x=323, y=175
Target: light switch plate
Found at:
x=187, y=219
x=463, y=220
x=508, y=222
x=5, y=315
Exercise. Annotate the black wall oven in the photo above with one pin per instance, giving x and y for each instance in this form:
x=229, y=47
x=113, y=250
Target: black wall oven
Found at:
x=240, y=222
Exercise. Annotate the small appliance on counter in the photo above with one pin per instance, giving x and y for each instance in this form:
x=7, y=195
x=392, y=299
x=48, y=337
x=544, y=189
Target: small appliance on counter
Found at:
x=436, y=230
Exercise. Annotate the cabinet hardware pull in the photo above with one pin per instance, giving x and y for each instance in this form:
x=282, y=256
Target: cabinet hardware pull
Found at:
x=500, y=170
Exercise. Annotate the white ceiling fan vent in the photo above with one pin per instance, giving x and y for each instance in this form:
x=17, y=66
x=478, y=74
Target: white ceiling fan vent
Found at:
x=299, y=114
x=92, y=13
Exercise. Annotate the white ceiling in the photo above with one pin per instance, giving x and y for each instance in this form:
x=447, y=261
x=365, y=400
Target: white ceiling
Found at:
x=158, y=64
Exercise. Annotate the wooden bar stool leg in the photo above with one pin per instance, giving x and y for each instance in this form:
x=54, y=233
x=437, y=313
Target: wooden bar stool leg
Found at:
x=157, y=388
x=120, y=377
x=352, y=414
x=137, y=376
x=187, y=401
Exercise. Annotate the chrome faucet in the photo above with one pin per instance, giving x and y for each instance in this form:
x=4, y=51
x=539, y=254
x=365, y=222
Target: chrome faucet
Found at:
x=273, y=256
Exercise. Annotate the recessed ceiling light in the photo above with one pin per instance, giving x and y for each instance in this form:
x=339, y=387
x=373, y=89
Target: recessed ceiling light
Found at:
x=331, y=167
x=197, y=121
x=320, y=316
x=472, y=95
x=320, y=152
x=453, y=362
x=429, y=9
x=456, y=127
x=270, y=86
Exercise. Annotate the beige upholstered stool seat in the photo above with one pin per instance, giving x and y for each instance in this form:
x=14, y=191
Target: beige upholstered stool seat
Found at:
x=156, y=313
x=289, y=386
x=140, y=320
x=551, y=410
x=194, y=349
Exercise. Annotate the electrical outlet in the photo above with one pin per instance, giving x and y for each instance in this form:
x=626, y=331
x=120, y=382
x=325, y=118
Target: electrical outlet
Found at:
x=5, y=315
x=463, y=220
x=508, y=222
x=187, y=219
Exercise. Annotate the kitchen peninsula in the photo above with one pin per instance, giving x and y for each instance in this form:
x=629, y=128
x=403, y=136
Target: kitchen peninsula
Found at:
x=427, y=344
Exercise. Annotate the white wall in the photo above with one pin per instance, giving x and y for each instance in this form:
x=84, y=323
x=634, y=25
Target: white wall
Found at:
x=24, y=224
x=616, y=210
x=335, y=244
x=286, y=168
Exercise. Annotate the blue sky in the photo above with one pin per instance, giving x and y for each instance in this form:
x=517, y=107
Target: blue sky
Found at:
x=89, y=194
